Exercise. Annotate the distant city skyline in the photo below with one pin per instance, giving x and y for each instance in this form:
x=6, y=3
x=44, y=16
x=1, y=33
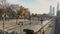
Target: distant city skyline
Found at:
x=36, y=6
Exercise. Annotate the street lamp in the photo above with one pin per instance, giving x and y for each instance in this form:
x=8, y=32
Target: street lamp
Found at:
x=41, y=20
x=17, y=19
x=30, y=19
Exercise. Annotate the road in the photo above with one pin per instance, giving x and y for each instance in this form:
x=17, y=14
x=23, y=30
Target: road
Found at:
x=10, y=25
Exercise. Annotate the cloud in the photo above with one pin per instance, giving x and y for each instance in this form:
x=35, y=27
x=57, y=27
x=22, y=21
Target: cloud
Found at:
x=29, y=1
x=40, y=6
x=36, y=6
x=13, y=1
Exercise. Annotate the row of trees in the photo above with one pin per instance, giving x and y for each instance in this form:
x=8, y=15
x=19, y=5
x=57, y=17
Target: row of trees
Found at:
x=7, y=10
x=12, y=10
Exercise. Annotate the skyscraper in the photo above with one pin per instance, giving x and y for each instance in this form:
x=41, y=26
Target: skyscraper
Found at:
x=53, y=11
x=58, y=6
x=50, y=10
x=58, y=13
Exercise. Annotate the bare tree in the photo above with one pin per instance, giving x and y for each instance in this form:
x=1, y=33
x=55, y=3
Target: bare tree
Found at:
x=2, y=1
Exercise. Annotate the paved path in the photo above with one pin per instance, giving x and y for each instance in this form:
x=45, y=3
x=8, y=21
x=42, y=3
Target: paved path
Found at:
x=17, y=28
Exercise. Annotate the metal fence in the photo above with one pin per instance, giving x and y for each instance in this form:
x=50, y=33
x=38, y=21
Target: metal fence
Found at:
x=14, y=26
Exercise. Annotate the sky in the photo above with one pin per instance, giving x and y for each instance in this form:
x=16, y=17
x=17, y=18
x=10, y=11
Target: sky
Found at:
x=36, y=6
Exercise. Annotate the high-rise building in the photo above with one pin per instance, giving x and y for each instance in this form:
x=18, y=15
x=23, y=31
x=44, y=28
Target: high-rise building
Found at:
x=51, y=10
x=58, y=13
x=58, y=6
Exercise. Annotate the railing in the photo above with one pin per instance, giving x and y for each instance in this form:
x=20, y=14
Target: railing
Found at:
x=14, y=28
x=49, y=26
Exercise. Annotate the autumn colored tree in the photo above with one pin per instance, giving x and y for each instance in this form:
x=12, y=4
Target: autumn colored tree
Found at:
x=21, y=11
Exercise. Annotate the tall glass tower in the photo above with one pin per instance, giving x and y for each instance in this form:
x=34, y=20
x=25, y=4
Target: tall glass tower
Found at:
x=51, y=10
x=58, y=6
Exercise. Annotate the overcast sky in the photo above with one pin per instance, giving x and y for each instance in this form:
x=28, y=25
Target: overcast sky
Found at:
x=36, y=6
